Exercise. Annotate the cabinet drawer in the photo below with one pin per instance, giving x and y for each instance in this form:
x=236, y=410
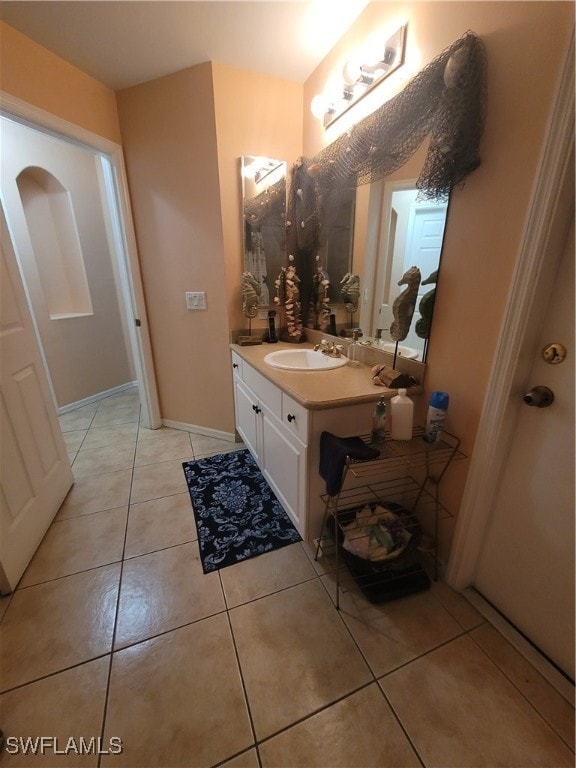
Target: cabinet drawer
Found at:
x=295, y=417
x=263, y=389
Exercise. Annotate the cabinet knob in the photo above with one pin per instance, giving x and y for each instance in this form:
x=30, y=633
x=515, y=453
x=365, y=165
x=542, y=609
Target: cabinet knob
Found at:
x=256, y=409
x=234, y=365
x=291, y=417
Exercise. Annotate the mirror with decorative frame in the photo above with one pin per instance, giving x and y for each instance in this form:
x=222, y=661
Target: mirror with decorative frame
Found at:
x=264, y=221
x=396, y=252
x=441, y=112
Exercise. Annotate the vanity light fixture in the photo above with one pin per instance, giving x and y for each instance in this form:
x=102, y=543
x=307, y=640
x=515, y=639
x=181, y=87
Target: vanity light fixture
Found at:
x=358, y=79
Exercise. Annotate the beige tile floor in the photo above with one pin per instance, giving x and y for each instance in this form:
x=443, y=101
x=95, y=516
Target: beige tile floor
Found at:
x=115, y=631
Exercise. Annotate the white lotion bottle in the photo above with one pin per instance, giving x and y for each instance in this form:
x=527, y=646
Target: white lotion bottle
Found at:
x=401, y=416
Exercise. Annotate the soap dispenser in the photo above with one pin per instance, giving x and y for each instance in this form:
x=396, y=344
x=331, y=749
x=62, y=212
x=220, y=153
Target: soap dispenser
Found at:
x=354, y=350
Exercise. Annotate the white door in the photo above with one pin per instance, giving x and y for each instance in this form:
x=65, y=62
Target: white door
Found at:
x=425, y=235
x=526, y=566
x=35, y=473
x=418, y=236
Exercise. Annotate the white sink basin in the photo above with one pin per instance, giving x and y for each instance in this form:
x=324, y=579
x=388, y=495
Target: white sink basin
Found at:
x=303, y=360
x=408, y=352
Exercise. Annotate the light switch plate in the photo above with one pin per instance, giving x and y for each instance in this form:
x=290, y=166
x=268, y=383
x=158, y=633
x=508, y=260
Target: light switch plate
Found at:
x=196, y=299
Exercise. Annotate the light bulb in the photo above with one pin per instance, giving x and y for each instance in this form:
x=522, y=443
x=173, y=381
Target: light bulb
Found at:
x=351, y=72
x=319, y=105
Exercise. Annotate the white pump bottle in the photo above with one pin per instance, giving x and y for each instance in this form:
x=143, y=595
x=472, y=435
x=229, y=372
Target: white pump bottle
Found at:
x=401, y=416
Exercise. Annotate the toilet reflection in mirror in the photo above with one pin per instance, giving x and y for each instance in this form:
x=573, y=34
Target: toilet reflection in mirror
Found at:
x=264, y=221
x=401, y=232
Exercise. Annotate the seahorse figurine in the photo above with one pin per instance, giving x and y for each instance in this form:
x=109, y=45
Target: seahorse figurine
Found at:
x=250, y=288
x=426, y=307
x=405, y=304
x=350, y=291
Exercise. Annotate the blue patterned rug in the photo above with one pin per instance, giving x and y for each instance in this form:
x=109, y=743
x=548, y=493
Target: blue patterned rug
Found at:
x=237, y=514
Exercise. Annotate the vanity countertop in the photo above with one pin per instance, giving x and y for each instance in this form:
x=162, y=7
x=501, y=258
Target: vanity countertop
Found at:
x=317, y=390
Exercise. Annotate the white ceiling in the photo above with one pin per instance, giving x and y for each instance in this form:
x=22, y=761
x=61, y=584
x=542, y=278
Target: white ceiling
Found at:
x=126, y=42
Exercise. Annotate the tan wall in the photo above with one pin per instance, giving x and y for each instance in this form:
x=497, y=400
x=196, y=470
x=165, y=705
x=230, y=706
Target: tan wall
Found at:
x=85, y=355
x=169, y=140
x=255, y=115
x=526, y=44
x=37, y=76
x=183, y=136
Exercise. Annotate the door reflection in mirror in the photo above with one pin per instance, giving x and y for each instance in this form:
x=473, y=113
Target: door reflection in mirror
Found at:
x=264, y=221
x=406, y=232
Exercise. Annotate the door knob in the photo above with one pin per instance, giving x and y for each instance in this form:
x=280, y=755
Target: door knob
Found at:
x=541, y=397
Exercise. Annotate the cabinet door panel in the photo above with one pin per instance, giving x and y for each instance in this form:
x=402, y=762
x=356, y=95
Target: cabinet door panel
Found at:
x=247, y=419
x=295, y=417
x=283, y=463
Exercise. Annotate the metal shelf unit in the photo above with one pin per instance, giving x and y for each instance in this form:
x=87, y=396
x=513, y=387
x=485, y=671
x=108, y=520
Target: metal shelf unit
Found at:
x=406, y=473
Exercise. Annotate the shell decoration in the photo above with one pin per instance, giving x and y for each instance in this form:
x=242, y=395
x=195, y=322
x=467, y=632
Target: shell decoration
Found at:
x=288, y=294
x=320, y=299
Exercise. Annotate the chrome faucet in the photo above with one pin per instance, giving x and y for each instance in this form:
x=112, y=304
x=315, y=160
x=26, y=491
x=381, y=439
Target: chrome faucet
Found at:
x=329, y=348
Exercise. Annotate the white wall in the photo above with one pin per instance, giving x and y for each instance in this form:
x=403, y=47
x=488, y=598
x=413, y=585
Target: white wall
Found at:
x=86, y=354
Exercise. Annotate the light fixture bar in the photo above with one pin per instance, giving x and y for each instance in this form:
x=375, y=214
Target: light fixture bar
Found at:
x=359, y=80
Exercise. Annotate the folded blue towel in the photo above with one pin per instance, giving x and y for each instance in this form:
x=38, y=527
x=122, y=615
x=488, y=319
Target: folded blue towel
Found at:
x=333, y=453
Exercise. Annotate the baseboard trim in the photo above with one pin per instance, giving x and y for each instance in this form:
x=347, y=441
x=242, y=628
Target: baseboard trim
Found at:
x=548, y=671
x=95, y=398
x=206, y=431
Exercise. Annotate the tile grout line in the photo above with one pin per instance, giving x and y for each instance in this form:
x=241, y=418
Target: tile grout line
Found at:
x=117, y=611
x=240, y=672
x=375, y=679
x=519, y=690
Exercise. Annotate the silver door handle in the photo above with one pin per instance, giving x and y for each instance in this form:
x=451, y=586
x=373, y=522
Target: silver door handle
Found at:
x=540, y=397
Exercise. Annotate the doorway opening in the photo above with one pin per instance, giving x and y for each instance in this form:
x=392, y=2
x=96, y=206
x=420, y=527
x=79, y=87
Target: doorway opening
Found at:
x=110, y=345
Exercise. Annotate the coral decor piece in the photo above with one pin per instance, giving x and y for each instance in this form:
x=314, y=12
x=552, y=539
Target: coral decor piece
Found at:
x=320, y=303
x=405, y=304
x=288, y=295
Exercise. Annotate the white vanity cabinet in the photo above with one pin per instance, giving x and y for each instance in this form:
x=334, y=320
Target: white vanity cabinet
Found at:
x=284, y=438
x=274, y=428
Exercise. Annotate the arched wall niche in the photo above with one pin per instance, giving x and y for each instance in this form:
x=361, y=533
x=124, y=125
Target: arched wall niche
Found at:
x=56, y=249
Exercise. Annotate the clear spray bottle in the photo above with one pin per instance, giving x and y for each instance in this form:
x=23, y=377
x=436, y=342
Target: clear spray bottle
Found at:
x=378, y=437
x=354, y=350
